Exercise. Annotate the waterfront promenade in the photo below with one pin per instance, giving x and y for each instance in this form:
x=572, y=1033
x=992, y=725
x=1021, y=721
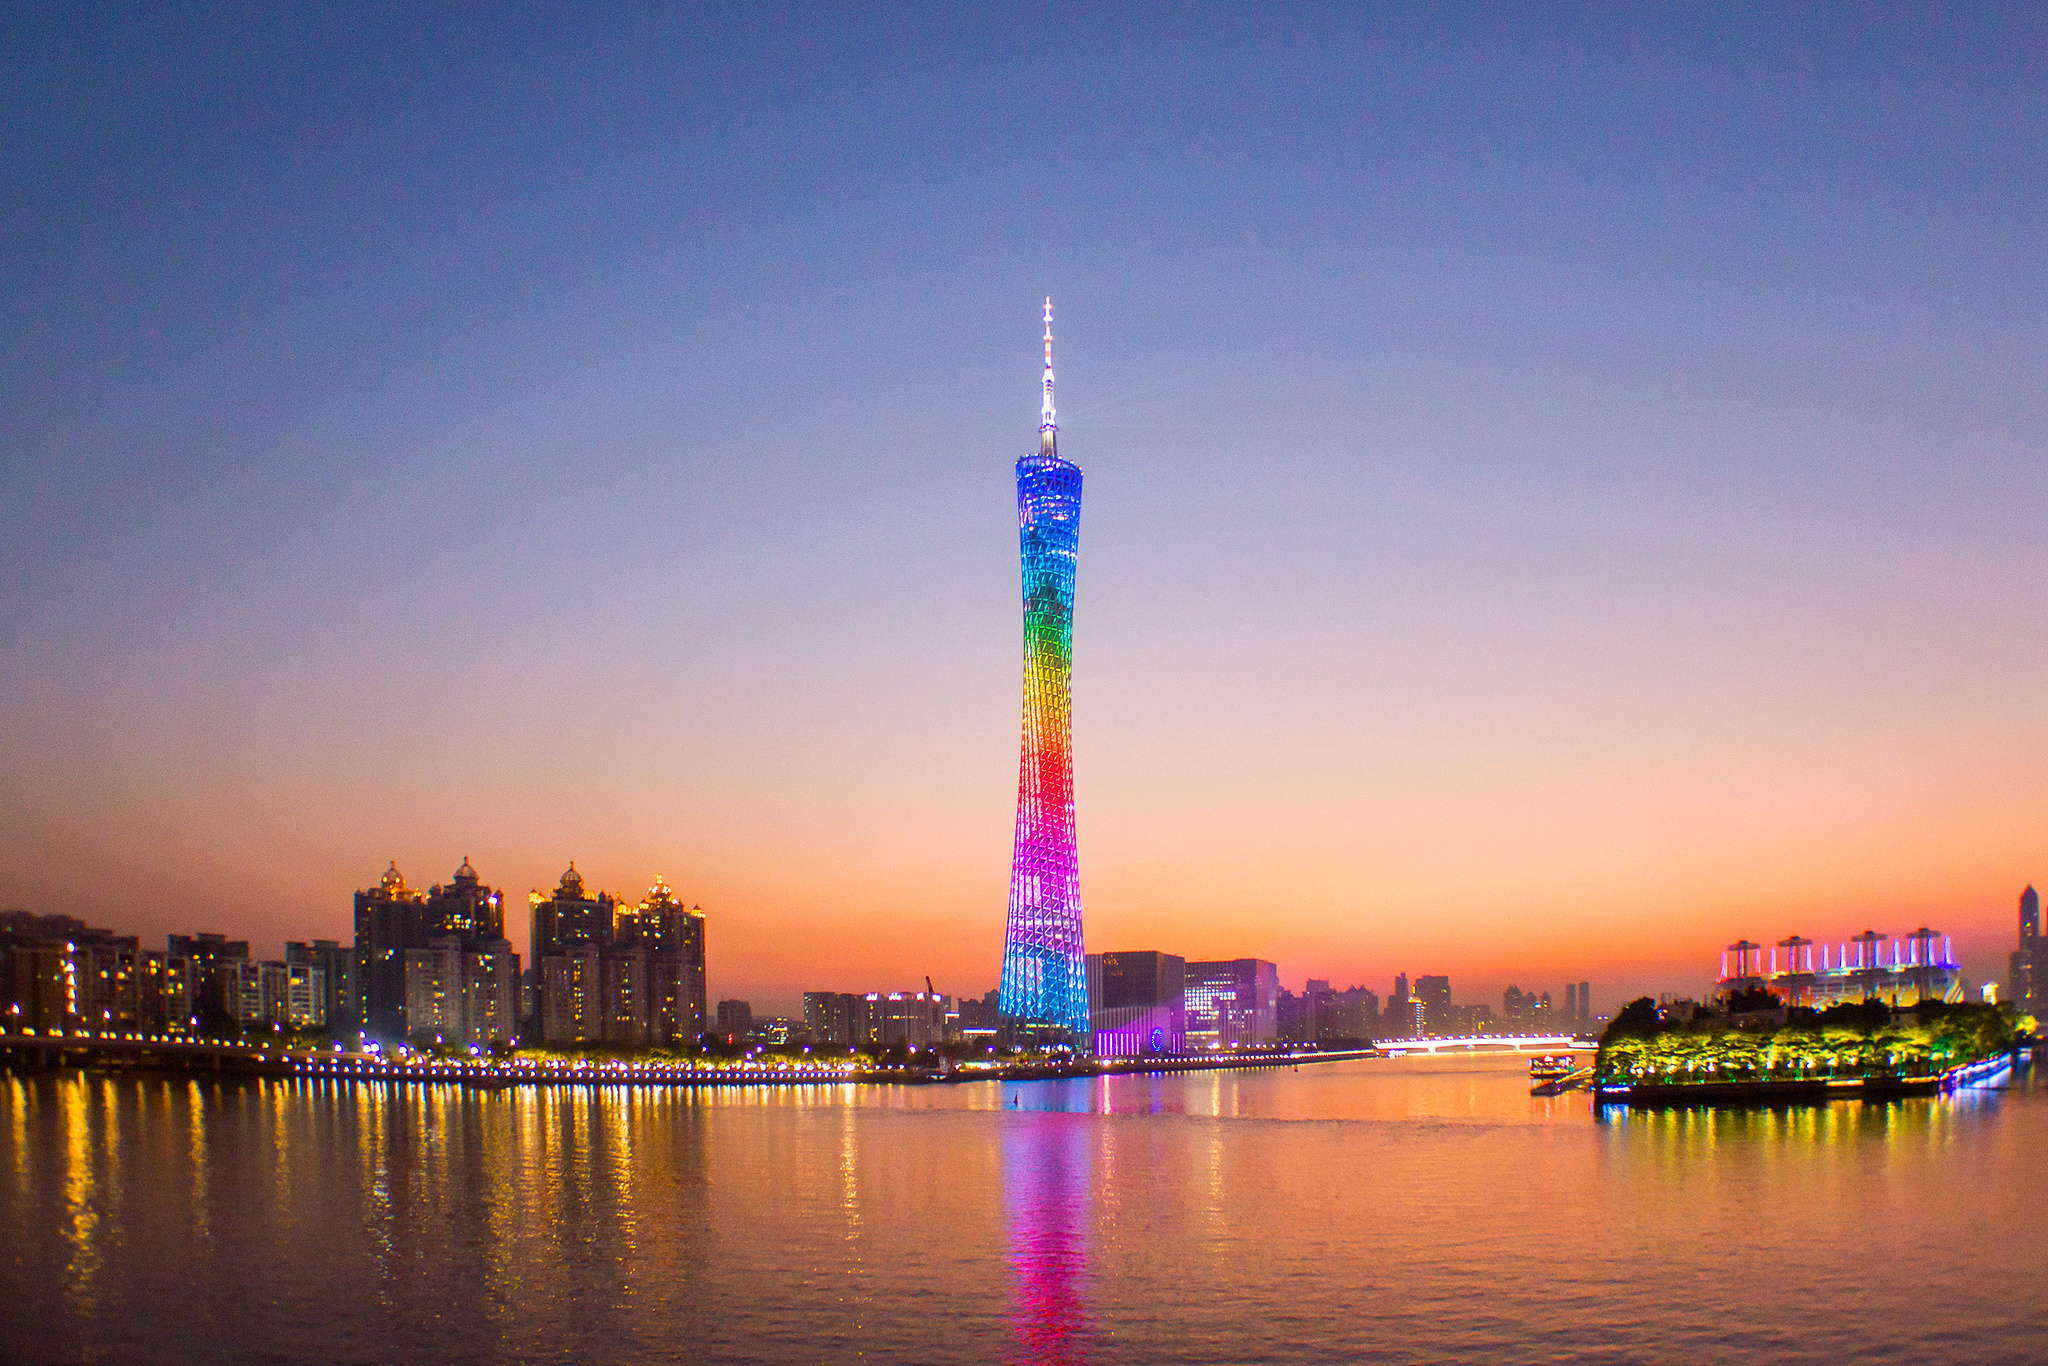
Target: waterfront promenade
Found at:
x=147, y=1052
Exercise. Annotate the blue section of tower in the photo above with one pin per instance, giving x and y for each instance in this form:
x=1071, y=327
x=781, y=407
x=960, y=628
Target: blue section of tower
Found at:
x=1045, y=977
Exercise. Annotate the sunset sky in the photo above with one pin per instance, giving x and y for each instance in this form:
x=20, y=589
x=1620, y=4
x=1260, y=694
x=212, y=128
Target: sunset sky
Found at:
x=1565, y=487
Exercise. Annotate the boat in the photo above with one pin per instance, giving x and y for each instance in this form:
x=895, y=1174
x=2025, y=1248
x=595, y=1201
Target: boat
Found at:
x=1551, y=1067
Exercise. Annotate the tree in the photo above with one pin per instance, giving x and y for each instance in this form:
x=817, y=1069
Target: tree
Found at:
x=1636, y=1020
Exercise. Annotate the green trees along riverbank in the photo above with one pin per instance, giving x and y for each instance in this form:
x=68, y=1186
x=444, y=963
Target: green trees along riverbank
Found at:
x=1865, y=1040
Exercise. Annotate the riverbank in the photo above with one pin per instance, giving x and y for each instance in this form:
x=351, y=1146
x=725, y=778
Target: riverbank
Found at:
x=1677, y=1095
x=1721, y=1056
x=141, y=1053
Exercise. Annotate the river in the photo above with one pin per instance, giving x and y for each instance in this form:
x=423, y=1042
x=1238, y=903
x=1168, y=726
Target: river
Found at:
x=1398, y=1210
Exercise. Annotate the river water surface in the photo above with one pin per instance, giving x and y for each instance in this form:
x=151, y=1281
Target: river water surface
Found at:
x=1404, y=1210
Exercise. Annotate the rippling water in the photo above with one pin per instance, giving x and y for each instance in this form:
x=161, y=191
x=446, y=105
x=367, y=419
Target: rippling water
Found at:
x=1399, y=1210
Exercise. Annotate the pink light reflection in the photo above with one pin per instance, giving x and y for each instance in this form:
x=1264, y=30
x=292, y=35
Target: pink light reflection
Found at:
x=1046, y=1193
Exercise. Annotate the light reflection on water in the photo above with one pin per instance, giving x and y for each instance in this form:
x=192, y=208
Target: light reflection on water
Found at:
x=1411, y=1211
x=1046, y=1187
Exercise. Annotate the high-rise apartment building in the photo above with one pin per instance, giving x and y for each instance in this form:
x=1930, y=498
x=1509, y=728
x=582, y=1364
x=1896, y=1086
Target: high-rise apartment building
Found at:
x=1045, y=982
x=435, y=965
x=616, y=973
x=674, y=936
x=832, y=1019
x=390, y=918
x=338, y=1009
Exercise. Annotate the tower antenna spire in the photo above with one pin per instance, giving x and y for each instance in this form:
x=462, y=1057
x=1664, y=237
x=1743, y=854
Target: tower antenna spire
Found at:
x=1047, y=424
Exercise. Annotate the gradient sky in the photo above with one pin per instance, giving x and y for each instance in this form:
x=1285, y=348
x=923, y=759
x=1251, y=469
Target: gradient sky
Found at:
x=1565, y=486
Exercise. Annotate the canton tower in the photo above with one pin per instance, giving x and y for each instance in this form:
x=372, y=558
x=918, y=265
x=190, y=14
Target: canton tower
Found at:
x=1045, y=976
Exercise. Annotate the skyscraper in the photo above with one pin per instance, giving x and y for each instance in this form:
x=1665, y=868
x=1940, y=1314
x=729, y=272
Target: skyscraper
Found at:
x=1045, y=976
x=1435, y=995
x=2025, y=984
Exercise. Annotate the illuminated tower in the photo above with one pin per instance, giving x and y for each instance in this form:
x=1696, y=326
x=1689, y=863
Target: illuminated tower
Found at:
x=1045, y=972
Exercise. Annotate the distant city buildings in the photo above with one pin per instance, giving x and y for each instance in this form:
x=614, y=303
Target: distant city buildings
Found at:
x=846, y=1020
x=980, y=1020
x=1578, y=1006
x=1322, y=1014
x=426, y=967
x=1527, y=1012
x=735, y=1021
x=59, y=973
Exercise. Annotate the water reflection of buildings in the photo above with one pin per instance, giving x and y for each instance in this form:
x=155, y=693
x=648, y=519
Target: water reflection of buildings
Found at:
x=1047, y=1178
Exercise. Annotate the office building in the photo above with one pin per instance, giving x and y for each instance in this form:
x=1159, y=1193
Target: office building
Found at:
x=1232, y=1003
x=1138, y=1003
x=1397, y=1016
x=915, y=1019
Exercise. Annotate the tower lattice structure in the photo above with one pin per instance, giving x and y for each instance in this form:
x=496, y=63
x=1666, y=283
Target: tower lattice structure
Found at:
x=1045, y=975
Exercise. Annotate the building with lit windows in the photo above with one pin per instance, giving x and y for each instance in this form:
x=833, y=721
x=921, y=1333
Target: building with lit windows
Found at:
x=1232, y=1003
x=337, y=967
x=435, y=966
x=610, y=972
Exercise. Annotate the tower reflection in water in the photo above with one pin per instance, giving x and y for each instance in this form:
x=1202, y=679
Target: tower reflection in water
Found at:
x=1047, y=1187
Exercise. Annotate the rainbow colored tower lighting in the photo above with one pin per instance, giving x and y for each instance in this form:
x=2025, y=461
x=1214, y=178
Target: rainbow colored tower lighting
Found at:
x=1045, y=974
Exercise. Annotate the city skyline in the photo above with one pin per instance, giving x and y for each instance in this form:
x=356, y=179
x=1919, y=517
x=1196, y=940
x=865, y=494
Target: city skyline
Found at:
x=1564, y=518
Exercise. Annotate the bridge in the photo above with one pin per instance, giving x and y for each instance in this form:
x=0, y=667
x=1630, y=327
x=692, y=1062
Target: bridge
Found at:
x=1488, y=1043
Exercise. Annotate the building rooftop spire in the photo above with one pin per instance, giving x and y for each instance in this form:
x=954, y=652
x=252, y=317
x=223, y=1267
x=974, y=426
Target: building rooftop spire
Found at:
x=1048, y=426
